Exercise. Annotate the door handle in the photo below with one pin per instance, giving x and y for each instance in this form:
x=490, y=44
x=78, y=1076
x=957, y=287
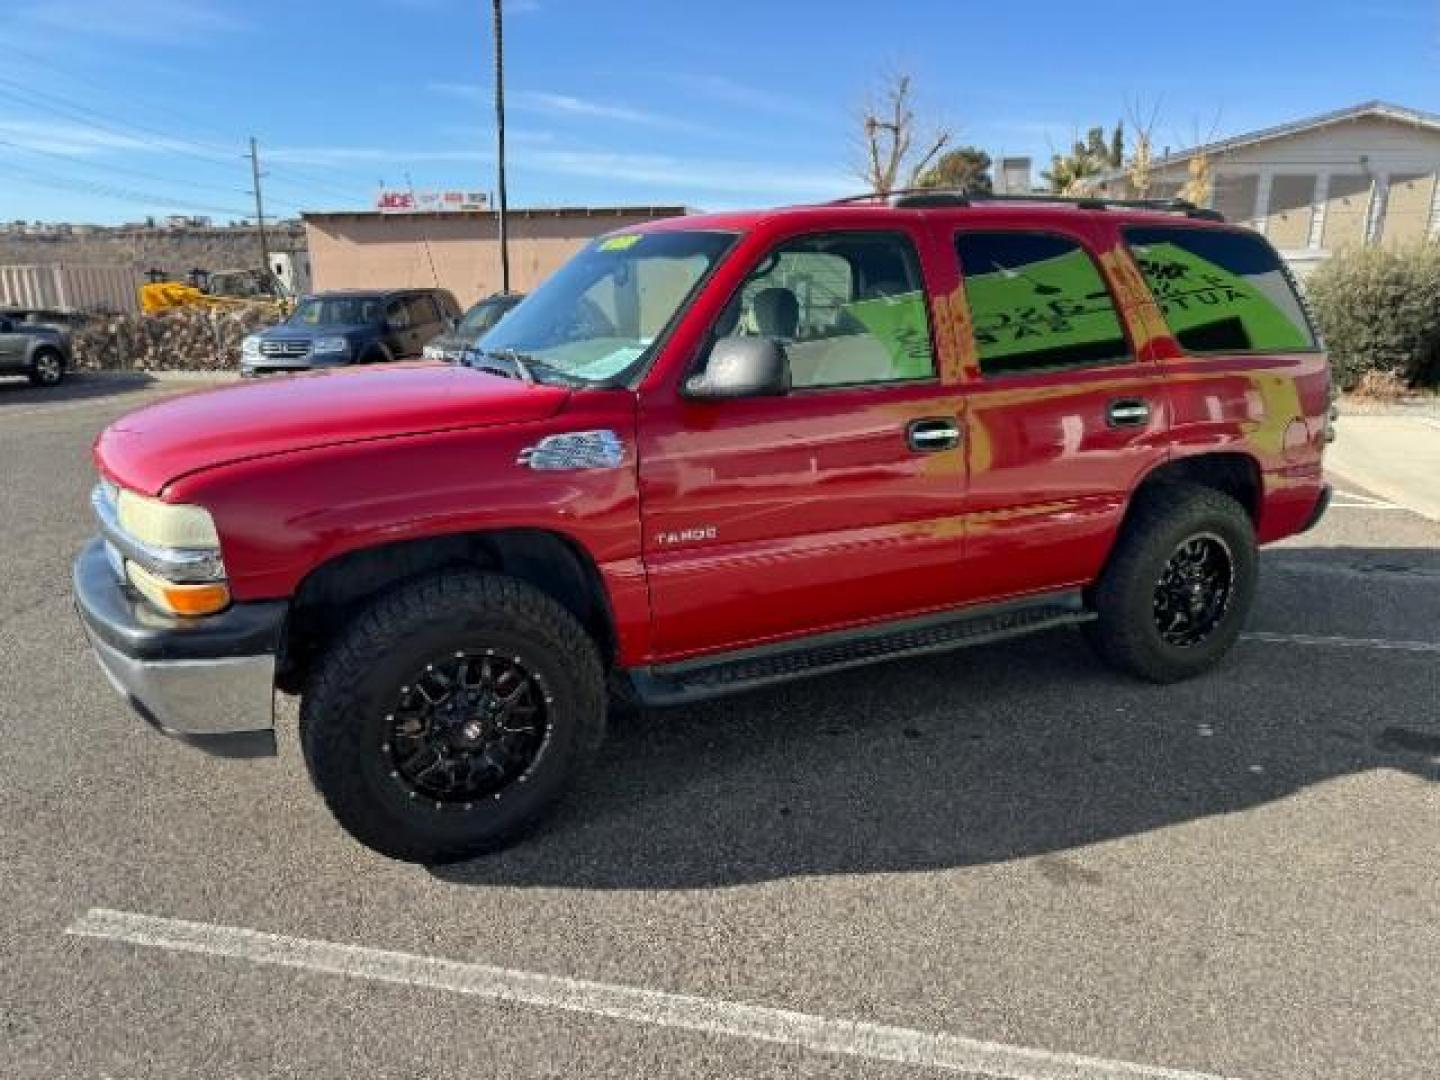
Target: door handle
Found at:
x=932, y=434
x=1127, y=412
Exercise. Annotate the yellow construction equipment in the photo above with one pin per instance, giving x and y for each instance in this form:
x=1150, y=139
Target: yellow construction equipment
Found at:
x=226, y=289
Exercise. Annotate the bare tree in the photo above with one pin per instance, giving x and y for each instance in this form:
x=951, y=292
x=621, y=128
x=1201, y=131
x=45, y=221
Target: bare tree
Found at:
x=895, y=152
x=1139, y=168
x=1199, y=186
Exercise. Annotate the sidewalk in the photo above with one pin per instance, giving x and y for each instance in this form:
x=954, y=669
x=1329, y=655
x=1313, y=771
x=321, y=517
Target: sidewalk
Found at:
x=1395, y=457
x=156, y=376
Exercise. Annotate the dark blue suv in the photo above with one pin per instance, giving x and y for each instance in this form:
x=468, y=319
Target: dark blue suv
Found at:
x=350, y=326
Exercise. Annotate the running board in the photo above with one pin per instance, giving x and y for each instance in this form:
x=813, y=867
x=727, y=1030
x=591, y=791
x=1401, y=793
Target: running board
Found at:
x=730, y=673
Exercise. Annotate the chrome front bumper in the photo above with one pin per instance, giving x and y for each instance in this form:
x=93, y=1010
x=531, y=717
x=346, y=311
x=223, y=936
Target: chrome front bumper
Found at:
x=209, y=681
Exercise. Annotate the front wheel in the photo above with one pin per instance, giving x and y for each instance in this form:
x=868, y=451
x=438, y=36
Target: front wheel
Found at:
x=47, y=368
x=1177, y=589
x=452, y=715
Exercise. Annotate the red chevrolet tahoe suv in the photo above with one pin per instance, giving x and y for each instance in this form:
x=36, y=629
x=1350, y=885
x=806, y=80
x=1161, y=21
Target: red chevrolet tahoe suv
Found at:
x=709, y=454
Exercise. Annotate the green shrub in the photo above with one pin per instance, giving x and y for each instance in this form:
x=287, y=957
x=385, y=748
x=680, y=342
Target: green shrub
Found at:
x=1379, y=311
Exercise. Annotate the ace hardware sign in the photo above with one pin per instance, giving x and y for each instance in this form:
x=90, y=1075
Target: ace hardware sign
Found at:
x=408, y=201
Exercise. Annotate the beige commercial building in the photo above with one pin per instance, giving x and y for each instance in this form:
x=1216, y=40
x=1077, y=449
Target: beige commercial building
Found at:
x=1362, y=175
x=458, y=250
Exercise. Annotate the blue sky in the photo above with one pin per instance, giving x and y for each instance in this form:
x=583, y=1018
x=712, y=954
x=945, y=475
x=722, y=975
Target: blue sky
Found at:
x=111, y=110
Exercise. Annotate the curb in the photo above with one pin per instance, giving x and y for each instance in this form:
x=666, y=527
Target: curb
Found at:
x=155, y=376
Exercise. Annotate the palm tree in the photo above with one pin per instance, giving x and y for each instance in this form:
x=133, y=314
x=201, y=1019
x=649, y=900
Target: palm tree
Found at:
x=1074, y=174
x=1081, y=172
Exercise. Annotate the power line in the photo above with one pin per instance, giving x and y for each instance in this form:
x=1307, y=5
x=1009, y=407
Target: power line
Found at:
x=163, y=142
x=110, y=167
x=302, y=176
x=110, y=191
x=111, y=126
x=133, y=134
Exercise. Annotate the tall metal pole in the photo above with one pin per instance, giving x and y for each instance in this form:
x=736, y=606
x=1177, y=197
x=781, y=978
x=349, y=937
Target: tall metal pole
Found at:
x=259, y=209
x=500, y=145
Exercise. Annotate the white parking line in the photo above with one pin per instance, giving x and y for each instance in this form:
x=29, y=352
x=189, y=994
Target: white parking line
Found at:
x=1343, y=642
x=872, y=1042
x=1353, y=500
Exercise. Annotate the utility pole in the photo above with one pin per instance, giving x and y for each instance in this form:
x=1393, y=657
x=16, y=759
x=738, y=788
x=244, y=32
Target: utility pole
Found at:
x=259, y=209
x=500, y=145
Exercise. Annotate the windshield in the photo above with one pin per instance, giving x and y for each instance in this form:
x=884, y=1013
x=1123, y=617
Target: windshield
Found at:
x=337, y=311
x=484, y=315
x=597, y=316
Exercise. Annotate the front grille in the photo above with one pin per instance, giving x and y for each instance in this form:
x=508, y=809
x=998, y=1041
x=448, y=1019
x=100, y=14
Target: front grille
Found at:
x=285, y=349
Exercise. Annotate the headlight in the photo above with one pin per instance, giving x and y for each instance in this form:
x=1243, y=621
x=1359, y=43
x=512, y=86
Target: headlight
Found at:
x=167, y=525
x=331, y=345
x=169, y=552
x=250, y=347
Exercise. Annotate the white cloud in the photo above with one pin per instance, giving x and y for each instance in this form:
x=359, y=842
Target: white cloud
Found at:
x=682, y=176
x=160, y=21
x=78, y=140
x=566, y=105
x=728, y=91
x=465, y=91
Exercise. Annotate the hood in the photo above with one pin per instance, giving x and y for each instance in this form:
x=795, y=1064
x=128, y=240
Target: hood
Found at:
x=153, y=446
x=287, y=330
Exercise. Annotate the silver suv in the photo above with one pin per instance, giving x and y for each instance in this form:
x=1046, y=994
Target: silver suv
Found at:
x=31, y=348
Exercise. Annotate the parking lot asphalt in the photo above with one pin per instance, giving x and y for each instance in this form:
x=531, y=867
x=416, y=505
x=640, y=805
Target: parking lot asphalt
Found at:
x=1007, y=861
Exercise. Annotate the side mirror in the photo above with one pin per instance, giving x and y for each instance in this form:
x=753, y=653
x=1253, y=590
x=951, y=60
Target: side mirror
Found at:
x=742, y=367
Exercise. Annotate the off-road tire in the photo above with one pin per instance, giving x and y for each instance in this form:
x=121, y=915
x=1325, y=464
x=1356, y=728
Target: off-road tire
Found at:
x=47, y=368
x=344, y=714
x=1126, y=633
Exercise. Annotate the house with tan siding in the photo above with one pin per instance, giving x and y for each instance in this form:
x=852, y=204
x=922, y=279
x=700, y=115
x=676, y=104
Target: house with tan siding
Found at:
x=1362, y=175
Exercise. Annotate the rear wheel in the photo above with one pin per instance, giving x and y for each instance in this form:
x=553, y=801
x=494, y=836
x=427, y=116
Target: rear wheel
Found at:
x=1177, y=589
x=47, y=368
x=452, y=715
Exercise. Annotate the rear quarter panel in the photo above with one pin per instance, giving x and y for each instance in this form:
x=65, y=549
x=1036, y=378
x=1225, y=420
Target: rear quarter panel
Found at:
x=1271, y=408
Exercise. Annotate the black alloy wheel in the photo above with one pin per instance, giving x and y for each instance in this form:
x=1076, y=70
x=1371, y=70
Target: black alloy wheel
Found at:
x=467, y=727
x=1194, y=590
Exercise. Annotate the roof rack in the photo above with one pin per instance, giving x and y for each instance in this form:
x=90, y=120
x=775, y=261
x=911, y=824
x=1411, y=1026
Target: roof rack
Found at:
x=920, y=198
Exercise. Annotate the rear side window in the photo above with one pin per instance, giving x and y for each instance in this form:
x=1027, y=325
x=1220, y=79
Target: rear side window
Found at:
x=1038, y=303
x=1221, y=291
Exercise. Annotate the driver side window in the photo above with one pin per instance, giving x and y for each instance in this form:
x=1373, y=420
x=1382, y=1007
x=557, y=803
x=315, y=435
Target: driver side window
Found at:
x=849, y=309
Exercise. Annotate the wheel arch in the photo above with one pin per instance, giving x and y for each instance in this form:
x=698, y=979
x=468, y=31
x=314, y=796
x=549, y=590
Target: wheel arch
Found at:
x=549, y=561
x=1234, y=473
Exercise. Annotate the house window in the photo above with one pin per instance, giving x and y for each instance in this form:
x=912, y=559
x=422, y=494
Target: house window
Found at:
x=1287, y=223
x=1235, y=196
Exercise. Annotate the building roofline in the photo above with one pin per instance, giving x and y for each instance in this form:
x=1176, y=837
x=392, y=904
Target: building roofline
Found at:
x=671, y=210
x=1383, y=109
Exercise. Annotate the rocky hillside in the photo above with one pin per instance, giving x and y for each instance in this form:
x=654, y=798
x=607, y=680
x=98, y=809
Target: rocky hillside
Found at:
x=174, y=252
